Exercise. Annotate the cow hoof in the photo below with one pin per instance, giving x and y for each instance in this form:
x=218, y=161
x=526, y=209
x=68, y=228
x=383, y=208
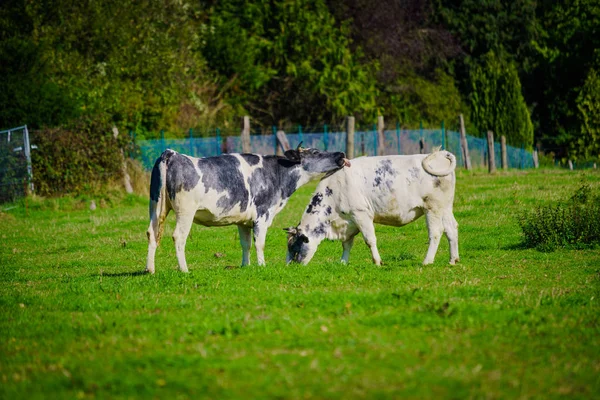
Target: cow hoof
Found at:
x=149, y=271
x=453, y=262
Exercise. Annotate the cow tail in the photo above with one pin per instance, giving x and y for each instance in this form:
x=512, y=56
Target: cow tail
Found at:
x=159, y=201
x=439, y=163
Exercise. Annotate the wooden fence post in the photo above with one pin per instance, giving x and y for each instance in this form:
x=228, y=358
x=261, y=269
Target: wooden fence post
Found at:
x=380, y=136
x=491, y=153
x=246, y=135
x=504, y=155
x=282, y=141
x=463, y=144
x=536, y=159
x=350, y=137
x=126, y=178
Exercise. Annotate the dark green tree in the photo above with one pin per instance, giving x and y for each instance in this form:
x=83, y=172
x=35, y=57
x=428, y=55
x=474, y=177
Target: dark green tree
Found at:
x=288, y=61
x=497, y=103
x=587, y=141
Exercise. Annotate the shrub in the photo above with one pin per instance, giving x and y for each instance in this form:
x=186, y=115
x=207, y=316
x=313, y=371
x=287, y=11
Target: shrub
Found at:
x=572, y=223
x=80, y=158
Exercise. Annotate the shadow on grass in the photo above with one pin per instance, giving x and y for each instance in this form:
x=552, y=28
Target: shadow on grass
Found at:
x=118, y=274
x=516, y=246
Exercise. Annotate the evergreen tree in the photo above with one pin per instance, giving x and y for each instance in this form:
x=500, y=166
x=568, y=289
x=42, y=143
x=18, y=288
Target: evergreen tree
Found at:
x=497, y=103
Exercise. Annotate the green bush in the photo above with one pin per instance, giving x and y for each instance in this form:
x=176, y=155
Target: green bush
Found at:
x=80, y=158
x=572, y=223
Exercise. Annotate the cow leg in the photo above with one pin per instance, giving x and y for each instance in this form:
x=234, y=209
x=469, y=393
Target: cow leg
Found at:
x=260, y=236
x=154, y=233
x=365, y=225
x=347, y=245
x=451, y=229
x=435, y=229
x=245, y=241
x=180, y=234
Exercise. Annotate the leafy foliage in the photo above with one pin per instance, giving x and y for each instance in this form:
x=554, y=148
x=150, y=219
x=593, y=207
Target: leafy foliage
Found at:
x=566, y=49
x=587, y=144
x=497, y=102
x=573, y=223
x=81, y=157
x=181, y=64
x=288, y=62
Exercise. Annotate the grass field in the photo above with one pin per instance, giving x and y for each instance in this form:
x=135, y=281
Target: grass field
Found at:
x=78, y=320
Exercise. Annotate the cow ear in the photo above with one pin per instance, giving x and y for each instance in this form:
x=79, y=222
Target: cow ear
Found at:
x=291, y=230
x=304, y=238
x=293, y=155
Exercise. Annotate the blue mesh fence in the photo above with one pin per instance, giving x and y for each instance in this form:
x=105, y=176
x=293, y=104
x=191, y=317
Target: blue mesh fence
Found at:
x=399, y=141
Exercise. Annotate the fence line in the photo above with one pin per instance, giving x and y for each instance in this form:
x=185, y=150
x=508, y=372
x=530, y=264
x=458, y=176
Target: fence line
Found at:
x=15, y=163
x=398, y=141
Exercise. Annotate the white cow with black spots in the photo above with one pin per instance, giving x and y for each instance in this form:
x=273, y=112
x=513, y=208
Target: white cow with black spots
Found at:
x=246, y=190
x=388, y=190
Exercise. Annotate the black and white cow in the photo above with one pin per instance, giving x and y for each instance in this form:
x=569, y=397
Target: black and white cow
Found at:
x=246, y=190
x=388, y=190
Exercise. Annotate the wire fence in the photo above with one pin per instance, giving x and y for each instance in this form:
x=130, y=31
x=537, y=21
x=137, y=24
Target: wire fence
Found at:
x=399, y=141
x=15, y=164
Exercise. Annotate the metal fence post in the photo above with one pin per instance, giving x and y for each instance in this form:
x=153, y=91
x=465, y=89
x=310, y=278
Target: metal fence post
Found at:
x=375, y=142
x=274, y=128
x=218, y=133
x=325, y=136
x=443, y=136
x=191, y=143
x=398, y=136
x=27, y=149
x=300, y=134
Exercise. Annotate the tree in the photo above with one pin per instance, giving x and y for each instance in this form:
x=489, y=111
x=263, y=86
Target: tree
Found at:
x=565, y=52
x=497, y=103
x=587, y=143
x=287, y=61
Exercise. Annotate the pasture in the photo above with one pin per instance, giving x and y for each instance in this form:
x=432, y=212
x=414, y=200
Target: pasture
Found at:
x=78, y=320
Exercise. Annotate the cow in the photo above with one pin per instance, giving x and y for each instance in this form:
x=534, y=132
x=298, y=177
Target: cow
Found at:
x=388, y=190
x=246, y=190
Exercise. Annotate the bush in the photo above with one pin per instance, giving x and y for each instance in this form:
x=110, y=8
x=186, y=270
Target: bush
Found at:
x=572, y=223
x=80, y=158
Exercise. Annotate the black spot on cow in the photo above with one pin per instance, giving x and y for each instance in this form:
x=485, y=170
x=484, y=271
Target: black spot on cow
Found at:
x=384, y=174
x=181, y=174
x=251, y=159
x=328, y=191
x=275, y=181
x=223, y=175
x=414, y=173
x=328, y=211
x=314, y=203
x=437, y=182
x=320, y=230
x=256, y=229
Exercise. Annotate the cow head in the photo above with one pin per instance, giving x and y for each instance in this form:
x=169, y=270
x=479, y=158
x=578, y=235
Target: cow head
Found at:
x=316, y=162
x=300, y=247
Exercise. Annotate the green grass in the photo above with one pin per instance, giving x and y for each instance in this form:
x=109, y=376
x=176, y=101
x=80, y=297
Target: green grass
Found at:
x=78, y=321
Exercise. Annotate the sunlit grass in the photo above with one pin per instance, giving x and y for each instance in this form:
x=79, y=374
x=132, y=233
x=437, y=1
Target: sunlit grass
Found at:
x=80, y=321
